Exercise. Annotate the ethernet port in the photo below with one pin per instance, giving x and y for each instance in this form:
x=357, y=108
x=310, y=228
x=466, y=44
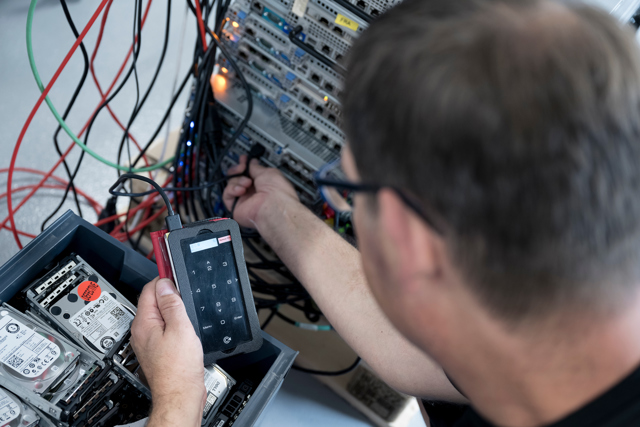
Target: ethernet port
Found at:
x=324, y=21
x=338, y=58
x=250, y=32
x=299, y=121
x=375, y=12
x=328, y=87
x=338, y=31
x=326, y=49
x=242, y=54
x=265, y=59
x=306, y=100
x=252, y=50
x=313, y=130
x=332, y=118
x=361, y=4
x=319, y=109
x=324, y=138
x=257, y=6
x=315, y=78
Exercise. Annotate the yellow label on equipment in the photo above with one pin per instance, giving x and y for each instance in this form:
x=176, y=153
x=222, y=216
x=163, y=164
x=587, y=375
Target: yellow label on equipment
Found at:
x=346, y=22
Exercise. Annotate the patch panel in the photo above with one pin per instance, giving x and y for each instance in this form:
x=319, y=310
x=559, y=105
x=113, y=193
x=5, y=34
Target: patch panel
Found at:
x=289, y=61
x=267, y=85
x=323, y=30
x=289, y=147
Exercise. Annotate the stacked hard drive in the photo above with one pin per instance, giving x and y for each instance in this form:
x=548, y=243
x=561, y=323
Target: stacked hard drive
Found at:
x=66, y=360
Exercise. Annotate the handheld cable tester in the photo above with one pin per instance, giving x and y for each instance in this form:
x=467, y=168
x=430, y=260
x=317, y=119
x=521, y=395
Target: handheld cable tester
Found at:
x=206, y=260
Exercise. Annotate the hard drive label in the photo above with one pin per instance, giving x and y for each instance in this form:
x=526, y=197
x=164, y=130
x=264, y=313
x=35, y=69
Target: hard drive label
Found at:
x=89, y=290
x=103, y=322
x=9, y=409
x=24, y=350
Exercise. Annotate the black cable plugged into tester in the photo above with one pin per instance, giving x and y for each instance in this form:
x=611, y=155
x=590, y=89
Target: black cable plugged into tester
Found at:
x=210, y=272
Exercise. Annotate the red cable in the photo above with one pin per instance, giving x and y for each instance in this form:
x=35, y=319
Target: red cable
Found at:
x=10, y=217
x=96, y=206
x=201, y=25
x=143, y=224
x=95, y=78
x=14, y=156
x=26, y=187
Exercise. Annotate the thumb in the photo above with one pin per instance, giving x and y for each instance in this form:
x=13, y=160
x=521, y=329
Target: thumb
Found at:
x=256, y=169
x=171, y=306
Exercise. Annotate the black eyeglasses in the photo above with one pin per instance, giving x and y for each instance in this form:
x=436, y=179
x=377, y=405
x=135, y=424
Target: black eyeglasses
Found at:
x=337, y=192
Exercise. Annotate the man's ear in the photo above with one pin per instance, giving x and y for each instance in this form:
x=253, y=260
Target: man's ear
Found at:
x=413, y=246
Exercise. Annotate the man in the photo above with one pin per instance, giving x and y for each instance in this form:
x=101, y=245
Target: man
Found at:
x=504, y=241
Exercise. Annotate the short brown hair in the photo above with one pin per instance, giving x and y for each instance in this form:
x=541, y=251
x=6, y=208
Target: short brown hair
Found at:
x=516, y=121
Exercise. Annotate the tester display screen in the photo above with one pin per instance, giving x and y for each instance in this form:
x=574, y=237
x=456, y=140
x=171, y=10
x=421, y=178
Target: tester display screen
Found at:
x=217, y=293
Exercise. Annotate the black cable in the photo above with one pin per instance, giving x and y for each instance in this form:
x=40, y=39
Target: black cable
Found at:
x=164, y=118
x=270, y=318
x=246, y=86
x=139, y=106
x=293, y=38
x=74, y=97
x=86, y=136
x=180, y=189
x=137, y=19
x=328, y=373
x=137, y=28
x=122, y=178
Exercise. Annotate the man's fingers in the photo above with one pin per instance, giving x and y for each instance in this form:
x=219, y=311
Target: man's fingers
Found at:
x=236, y=187
x=171, y=306
x=239, y=168
x=236, y=191
x=255, y=169
x=243, y=181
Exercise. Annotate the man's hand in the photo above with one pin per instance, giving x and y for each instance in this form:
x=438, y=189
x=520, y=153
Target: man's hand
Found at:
x=170, y=355
x=266, y=187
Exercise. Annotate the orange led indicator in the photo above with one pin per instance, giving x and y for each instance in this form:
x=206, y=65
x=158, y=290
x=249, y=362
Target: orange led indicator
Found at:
x=326, y=98
x=224, y=70
x=219, y=83
x=235, y=24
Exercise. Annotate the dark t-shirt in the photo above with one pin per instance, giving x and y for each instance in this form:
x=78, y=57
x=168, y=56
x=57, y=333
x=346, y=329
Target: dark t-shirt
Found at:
x=618, y=407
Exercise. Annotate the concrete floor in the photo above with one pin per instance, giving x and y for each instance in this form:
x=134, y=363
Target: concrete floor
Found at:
x=302, y=401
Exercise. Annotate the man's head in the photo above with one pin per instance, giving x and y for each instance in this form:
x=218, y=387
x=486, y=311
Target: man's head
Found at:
x=514, y=123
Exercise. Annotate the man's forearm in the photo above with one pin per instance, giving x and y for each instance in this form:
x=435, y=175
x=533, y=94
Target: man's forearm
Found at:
x=308, y=246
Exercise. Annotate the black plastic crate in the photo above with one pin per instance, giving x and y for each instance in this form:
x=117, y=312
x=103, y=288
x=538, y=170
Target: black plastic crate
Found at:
x=129, y=271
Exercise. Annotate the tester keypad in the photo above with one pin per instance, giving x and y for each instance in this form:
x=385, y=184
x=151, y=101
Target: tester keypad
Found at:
x=217, y=294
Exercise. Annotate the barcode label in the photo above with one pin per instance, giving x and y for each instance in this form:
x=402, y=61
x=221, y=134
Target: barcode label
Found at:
x=24, y=350
x=102, y=322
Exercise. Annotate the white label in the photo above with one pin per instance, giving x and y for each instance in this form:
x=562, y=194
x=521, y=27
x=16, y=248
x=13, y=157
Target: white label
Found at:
x=201, y=246
x=300, y=7
x=103, y=322
x=9, y=409
x=24, y=350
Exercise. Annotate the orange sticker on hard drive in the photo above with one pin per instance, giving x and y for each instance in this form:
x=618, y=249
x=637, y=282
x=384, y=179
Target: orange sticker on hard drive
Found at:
x=89, y=291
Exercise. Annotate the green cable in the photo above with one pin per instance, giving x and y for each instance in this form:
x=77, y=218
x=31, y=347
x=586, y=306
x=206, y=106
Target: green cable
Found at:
x=312, y=327
x=36, y=75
